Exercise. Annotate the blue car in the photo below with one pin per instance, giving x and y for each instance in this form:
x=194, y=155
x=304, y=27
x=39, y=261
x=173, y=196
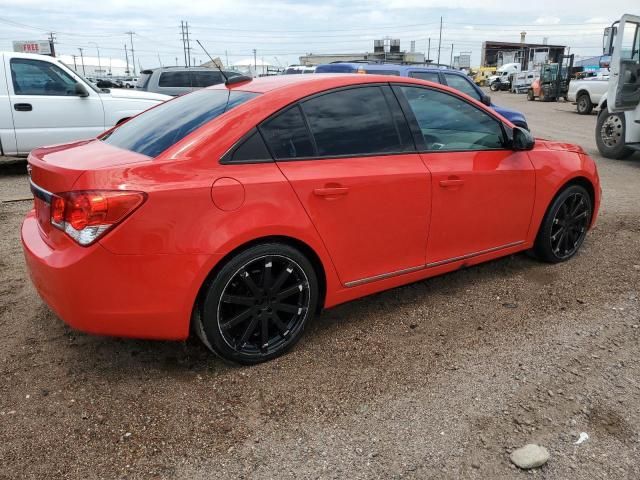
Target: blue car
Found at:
x=453, y=78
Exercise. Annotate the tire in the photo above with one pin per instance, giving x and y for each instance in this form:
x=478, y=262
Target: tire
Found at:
x=530, y=96
x=494, y=87
x=564, y=226
x=258, y=304
x=610, y=132
x=584, y=105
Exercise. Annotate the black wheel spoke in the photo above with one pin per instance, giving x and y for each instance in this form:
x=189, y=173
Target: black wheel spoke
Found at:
x=248, y=281
x=287, y=292
x=285, y=307
x=248, y=331
x=265, y=332
x=267, y=279
x=286, y=272
x=238, y=300
x=238, y=319
x=279, y=324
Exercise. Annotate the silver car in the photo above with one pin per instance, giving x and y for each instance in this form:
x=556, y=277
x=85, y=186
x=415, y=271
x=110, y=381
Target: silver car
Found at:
x=179, y=80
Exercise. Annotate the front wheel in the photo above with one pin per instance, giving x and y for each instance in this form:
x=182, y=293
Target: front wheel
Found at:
x=494, y=87
x=530, y=96
x=258, y=304
x=610, y=132
x=565, y=225
x=584, y=105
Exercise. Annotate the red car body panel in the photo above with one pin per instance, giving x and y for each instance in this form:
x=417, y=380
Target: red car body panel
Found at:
x=402, y=218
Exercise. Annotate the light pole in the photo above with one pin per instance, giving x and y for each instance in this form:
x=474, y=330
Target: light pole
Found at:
x=98, y=49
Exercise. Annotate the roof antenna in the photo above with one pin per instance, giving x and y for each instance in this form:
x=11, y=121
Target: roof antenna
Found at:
x=227, y=80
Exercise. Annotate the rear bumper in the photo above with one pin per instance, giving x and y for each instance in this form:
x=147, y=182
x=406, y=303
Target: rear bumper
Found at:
x=96, y=291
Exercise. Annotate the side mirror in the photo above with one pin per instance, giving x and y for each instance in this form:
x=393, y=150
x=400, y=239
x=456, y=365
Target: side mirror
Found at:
x=486, y=99
x=81, y=90
x=522, y=139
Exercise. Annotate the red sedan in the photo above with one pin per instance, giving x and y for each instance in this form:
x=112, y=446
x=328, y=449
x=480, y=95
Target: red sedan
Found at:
x=241, y=210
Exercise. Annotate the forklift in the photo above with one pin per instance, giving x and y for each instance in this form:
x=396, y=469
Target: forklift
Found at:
x=553, y=82
x=618, y=126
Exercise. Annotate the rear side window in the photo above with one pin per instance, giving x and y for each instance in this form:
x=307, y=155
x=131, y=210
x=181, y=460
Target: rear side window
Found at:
x=155, y=130
x=357, y=121
x=206, y=79
x=143, y=81
x=460, y=83
x=287, y=135
x=251, y=150
x=428, y=76
x=176, y=79
x=383, y=72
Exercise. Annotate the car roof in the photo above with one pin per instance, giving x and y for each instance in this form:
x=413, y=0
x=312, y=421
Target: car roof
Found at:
x=392, y=67
x=317, y=82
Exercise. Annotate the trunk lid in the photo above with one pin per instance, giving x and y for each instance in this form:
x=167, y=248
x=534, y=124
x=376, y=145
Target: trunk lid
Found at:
x=56, y=169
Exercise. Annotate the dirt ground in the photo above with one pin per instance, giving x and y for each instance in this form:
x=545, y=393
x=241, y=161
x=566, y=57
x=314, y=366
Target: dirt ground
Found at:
x=439, y=379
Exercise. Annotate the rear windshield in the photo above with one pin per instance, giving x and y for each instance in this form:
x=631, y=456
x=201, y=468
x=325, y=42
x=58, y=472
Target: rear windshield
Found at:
x=152, y=132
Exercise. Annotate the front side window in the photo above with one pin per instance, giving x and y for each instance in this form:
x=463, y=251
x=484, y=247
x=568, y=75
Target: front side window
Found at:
x=460, y=83
x=356, y=121
x=35, y=77
x=428, y=76
x=449, y=123
x=155, y=130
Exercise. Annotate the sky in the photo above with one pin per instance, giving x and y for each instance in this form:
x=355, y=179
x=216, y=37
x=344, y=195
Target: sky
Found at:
x=282, y=30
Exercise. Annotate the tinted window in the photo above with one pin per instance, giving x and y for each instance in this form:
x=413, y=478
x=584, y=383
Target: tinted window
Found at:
x=176, y=79
x=143, y=81
x=428, y=76
x=252, y=149
x=206, y=79
x=35, y=77
x=357, y=121
x=152, y=132
x=287, y=135
x=460, y=83
x=383, y=72
x=450, y=123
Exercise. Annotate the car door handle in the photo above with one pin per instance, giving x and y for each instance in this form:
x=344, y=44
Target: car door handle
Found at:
x=452, y=182
x=23, y=107
x=330, y=191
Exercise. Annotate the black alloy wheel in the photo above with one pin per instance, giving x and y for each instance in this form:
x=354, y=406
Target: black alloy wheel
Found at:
x=258, y=305
x=565, y=225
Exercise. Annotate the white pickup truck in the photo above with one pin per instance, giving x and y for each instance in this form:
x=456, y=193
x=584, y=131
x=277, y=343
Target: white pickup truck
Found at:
x=44, y=102
x=586, y=93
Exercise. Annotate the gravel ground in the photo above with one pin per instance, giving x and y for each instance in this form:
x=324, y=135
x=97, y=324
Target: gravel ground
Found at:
x=439, y=379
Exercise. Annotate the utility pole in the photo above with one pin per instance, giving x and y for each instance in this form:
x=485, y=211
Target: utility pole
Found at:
x=451, y=61
x=75, y=66
x=176, y=61
x=429, y=49
x=440, y=41
x=99, y=63
x=82, y=57
x=126, y=57
x=255, y=62
x=186, y=46
x=226, y=55
x=52, y=43
x=133, y=55
x=159, y=61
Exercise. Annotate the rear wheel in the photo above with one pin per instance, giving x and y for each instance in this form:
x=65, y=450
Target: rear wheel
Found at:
x=257, y=306
x=584, y=104
x=565, y=225
x=610, y=132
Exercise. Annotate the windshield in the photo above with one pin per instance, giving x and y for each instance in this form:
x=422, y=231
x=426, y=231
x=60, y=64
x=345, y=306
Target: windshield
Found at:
x=155, y=130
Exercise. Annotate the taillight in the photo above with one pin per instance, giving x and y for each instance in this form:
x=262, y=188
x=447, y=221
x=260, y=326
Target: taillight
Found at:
x=86, y=216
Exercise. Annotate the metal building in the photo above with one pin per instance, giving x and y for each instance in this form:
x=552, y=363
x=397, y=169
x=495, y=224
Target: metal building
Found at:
x=529, y=55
